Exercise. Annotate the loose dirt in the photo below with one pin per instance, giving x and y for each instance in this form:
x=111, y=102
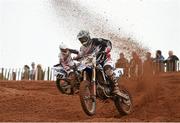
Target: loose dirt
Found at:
x=155, y=99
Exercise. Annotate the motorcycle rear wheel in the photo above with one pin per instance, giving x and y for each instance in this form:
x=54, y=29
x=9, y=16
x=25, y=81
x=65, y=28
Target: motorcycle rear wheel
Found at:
x=124, y=106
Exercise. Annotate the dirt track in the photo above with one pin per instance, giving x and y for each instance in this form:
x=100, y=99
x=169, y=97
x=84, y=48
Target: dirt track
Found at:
x=156, y=100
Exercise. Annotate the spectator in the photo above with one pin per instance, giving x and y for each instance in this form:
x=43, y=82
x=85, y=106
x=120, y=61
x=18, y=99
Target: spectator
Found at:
x=33, y=71
x=135, y=66
x=13, y=75
x=40, y=73
x=171, y=61
x=159, y=56
x=148, y=65
x=159, y=65
x=25, y=75
x=122, y=62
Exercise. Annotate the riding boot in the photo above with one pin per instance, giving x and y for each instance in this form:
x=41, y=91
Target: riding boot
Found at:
x=114, y=80
x=115, y=85
x=116, y=89
x=71, y=78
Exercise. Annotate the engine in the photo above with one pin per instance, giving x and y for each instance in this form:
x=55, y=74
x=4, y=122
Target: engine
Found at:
x=103, y=92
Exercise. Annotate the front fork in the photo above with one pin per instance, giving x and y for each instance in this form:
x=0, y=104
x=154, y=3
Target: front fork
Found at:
x=92, y=83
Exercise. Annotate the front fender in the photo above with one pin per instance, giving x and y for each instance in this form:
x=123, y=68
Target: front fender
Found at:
x=59, y=72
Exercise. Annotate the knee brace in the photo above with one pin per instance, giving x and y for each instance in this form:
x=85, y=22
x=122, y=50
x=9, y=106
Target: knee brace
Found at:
x=108, y=70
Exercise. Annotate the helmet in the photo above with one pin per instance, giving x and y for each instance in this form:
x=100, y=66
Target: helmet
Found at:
x=82, y=34
x=63, y=48
x=83, y=37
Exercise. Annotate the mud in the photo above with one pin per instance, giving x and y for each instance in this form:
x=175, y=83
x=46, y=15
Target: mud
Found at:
x=154, y=100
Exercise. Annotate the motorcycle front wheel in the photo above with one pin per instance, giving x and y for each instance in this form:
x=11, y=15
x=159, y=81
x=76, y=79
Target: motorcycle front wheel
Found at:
x=63, y=86
x=88, y=102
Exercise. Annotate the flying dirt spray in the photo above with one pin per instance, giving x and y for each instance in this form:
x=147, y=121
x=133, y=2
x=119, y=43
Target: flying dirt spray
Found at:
x=79, y=17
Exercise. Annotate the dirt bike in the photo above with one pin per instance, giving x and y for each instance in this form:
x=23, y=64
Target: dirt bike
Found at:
x=63, y=82
x=96, y=84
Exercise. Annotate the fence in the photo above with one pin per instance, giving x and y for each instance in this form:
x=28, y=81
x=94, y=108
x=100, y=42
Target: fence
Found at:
x=149, y=68
x=20, y=74
x=167, y=67
x=48, y=74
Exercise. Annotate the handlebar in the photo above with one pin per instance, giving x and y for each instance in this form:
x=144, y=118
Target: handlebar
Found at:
x=80, y=57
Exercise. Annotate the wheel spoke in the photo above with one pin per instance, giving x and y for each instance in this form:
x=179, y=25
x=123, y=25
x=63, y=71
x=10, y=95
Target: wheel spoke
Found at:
x=87, y=101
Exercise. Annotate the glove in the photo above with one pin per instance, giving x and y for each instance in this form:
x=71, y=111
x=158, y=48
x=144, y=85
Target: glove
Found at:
x=108, y=50
x=67, y=68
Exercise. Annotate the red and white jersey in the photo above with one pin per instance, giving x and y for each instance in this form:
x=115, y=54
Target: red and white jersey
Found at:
x=66, y=60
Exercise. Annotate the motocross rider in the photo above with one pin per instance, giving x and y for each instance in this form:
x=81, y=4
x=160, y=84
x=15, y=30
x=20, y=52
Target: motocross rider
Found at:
x=66, y=61
x=89, y=45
